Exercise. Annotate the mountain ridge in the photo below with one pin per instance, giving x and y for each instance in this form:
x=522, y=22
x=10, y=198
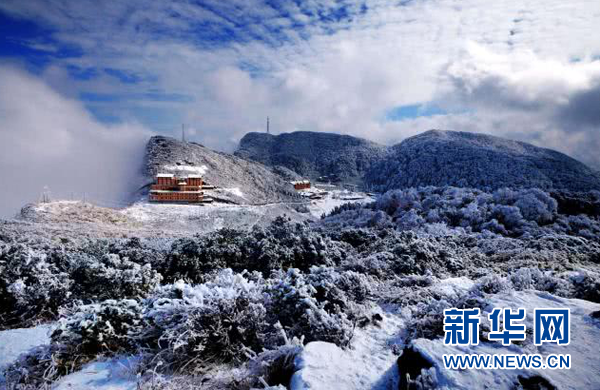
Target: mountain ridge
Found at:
x=463, y=159
x=313, y=154
x=432, y=158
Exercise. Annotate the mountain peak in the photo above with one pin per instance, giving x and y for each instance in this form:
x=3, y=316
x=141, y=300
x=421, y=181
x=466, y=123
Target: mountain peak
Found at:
x=314, y=154
x=463, y=159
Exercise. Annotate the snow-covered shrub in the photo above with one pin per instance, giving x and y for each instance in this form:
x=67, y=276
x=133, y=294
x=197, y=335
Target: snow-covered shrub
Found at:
x=275, y=366
x=281, y=245
x=228, y=319
x=417, y=254
x=536, y=279
x=346, y=207
x=577, y=203
x=111, y=326
x=36, y=282
x=508, y=212
x=31, y=288
x=356, y=237
x=427, y=315
x=339, y=291
x=358, y=217
x=284, y=245
x=221, y=320
x=112, y=277
x=192, y=258
x=135, y=249
x=509, y=216
x=36, y=369
x=292, y=299
x=536, y=205
x=586, y=286
x=378, y=264
x=491, y=284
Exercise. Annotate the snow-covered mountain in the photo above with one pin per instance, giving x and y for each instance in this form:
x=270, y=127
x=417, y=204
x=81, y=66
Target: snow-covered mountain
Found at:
x=237, y=180
x=438, y=158
x=310, y=154
x=243, y=296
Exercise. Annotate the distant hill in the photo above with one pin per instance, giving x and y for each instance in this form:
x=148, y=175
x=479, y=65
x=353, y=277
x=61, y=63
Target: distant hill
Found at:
x=438, y=158
x=342, y=158
x=238, y=180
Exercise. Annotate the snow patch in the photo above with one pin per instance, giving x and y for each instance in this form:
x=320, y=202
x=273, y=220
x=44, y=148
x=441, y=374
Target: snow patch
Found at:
x=368, y=364
x=331, y=200
x=114, y=374
x=235, y=191
x=15, y=342
x=201, y=170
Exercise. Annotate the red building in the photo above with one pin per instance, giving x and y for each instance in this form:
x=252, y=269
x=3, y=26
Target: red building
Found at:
x=301, y=184
x=171, y=188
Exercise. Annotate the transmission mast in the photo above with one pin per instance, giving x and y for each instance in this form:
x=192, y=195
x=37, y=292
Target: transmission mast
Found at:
x=182, y=132
x=45, y=197
x=268, y=130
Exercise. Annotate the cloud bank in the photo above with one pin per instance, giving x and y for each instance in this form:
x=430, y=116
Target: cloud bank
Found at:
x=49, y=140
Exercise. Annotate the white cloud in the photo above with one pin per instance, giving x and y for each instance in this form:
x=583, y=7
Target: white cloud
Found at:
x=526, y=96
x=341, y=75
x=49, y=140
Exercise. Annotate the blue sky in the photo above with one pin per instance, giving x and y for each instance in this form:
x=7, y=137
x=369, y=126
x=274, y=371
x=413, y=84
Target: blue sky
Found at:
x=379, y=69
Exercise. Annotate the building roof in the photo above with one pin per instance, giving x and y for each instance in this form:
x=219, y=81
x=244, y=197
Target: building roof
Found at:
x=300, y=182
x=165, y=175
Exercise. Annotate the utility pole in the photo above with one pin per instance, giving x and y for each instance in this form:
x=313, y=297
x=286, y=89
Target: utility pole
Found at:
x=46, y=195
x=182, y=132
x=268, y=130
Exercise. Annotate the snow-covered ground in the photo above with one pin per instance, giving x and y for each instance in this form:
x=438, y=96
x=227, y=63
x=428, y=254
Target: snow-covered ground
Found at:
x=368, y=364
x=15, y=342
x=332, y=199
x=207, y=217
x=371, y=362
x=235, y=191
x=111, y=374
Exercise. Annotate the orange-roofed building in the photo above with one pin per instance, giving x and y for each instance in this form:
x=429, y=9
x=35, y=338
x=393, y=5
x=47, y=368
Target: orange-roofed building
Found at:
x=170, y=188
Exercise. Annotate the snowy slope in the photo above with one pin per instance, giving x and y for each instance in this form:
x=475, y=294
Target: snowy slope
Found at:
x=463, y=159
x=16, y=341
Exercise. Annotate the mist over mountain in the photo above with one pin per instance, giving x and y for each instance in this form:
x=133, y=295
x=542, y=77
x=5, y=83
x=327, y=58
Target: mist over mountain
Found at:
x=461, y=159
x=310, y=154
